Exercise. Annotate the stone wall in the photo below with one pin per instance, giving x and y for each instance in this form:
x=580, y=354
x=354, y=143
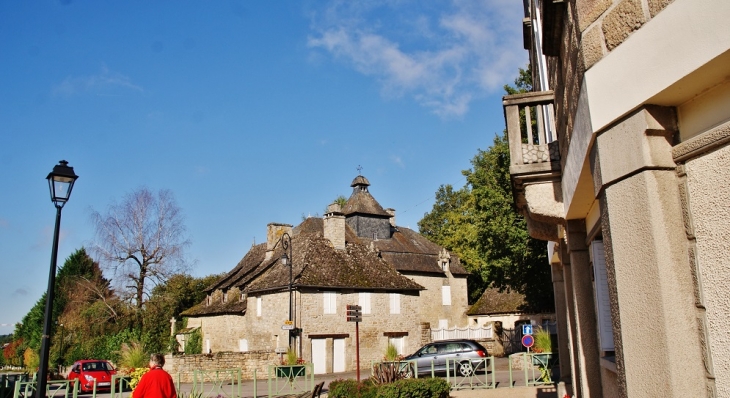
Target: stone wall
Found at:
x=184, y=366
x=591, y=30
x=374, y=329
x=431, y=308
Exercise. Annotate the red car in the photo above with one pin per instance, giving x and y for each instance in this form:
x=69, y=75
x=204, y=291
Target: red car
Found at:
x=89, y=370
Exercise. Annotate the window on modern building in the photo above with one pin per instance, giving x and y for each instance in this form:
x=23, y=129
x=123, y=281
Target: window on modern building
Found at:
x=603, y=308
x=395, y=303
x=258, y=306
x=330, y=302
x=446, y=295
x=364, y=302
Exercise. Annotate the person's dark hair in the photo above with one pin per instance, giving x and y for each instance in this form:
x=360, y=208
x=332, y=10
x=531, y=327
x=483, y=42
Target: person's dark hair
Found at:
x=158, y=359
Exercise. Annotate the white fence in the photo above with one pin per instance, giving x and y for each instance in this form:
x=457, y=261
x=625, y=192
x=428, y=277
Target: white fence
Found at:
x=478, y=333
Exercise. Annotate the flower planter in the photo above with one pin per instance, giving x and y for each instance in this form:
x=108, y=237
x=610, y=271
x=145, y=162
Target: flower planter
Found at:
x=291, y=371
x=542, y=359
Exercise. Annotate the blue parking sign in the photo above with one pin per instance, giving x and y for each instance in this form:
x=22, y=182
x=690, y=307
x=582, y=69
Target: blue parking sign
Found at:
x=526, y=329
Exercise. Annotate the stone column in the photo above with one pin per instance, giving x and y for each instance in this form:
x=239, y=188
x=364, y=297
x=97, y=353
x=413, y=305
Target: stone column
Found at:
x=586, y=333
x=562, y=319
x=570, y=317
x=656, y=332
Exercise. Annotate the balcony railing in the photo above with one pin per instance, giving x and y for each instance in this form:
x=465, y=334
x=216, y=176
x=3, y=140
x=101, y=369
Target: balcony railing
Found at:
x=533, y=142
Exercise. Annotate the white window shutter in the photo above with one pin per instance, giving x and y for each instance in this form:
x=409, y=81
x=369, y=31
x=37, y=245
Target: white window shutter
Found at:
x=395, y=303
x=365, y=302
x=330, y=302
x=603, y=307
x=446, y=295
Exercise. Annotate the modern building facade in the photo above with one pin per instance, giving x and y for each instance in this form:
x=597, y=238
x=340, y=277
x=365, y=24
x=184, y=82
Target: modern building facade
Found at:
x=619, y=158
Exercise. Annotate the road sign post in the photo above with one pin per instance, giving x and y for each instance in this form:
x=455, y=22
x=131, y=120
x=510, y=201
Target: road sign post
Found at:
x=528, y=341
x=354, y=314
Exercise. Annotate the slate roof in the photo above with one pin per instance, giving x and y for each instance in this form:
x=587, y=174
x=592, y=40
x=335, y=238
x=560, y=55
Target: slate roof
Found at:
x=361, y=202
x=317, y=264
x=409, y=251
x=493, y=302
x=233, y=307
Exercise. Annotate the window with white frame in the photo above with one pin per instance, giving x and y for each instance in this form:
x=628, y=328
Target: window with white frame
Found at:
x=364, y=302
x=446, y=295
x=603, y=309
x=330, y=302
x=398, y=343
x=258, y=306
x=395, y=303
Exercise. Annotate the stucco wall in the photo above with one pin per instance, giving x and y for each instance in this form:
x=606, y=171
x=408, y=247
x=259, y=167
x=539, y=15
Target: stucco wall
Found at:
x=709, y=205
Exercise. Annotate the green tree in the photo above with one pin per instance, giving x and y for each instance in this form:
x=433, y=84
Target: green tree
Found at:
x=168, y=300
x=480, y=224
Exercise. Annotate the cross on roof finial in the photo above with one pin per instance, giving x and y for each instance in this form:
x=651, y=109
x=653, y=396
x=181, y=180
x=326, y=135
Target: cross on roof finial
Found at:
x=359, y=170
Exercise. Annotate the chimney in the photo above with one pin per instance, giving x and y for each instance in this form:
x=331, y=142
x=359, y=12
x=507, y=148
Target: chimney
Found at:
x=334, y=226
x=391, y=211
x=274, y=232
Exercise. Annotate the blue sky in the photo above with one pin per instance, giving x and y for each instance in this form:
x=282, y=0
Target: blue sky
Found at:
x=250, y=112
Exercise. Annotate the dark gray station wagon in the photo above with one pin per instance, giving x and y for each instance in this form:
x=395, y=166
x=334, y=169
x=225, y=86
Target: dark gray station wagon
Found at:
x=464, y=357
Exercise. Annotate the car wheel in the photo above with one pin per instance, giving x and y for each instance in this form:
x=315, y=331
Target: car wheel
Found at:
x=465, y=369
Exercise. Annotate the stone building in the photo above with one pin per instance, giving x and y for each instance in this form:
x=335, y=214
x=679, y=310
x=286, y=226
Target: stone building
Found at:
x=354, y=255
x=507, y=309
x=620, y=159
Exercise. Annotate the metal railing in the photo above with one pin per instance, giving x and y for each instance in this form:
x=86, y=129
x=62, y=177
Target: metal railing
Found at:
x=537, y=368
x=210, y=383
x=289, y=379
x=478, y=333
x=54, y=388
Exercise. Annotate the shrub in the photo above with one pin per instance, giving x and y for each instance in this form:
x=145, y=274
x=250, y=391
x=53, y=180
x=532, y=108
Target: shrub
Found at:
x=194, y=344
x=408, y=388
x=391, y=354
x=132, y=355
x=415, y=388
x=543, y=341
x=136, y=375
x=352, y=389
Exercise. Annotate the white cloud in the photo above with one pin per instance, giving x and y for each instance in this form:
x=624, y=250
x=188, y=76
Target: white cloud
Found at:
x=106, y=82
x=444, y=59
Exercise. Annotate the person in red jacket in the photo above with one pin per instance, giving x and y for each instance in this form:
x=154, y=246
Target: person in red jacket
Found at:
x=156, y=383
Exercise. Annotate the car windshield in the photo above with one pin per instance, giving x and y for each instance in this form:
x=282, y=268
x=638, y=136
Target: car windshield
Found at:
x=98, y=365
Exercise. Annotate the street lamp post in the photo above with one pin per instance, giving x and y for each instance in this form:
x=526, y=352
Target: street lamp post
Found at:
x=288, y=260
x=60, y=182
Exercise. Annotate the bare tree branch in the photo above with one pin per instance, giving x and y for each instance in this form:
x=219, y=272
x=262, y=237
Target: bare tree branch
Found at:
x=142, y=239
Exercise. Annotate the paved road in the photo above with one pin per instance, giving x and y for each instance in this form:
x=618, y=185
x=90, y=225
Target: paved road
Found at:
x=507, y=386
